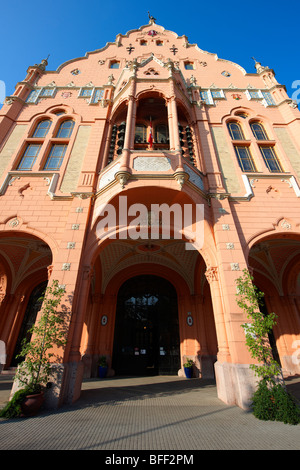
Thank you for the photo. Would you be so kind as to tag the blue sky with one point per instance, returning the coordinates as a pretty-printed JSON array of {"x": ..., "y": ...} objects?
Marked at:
[{"x": 66, "y": 30}]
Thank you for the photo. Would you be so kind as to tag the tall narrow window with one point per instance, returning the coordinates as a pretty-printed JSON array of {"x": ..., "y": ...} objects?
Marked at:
[
  {"x": 65, "y": 130},
  {"x": 42, "y": 128},
  {"x": 55, "y": 157},
  {"x": 258, "y": 131},
  {"x": 235, "y": 131},
  {"x": 29, "y": 157},
  {"x": 244, "y": 158},
  {"x": 270, "y": 159}
]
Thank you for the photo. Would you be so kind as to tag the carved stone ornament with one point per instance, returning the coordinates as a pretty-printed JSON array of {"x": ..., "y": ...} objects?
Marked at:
[
  {"x": 211, "y": 274},
  {"x": 122, "y": 177},
  {"x": 181, "y": 177},
  {"x": 285, "y": 224},
  {"x": 14, "y": 222}
]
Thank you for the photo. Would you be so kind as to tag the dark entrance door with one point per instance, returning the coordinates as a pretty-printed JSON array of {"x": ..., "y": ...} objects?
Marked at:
[
  {"x": 146, "y": 338},
  {"x": 33, "y": 307}
]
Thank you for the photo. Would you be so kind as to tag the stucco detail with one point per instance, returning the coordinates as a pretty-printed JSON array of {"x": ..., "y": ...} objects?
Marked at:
[
  {"x": 289, "y": 148},
  {"x": 11, "y": 146},
  {"x": 225, "y": 159},
  {"x": 70, "y": 180}
]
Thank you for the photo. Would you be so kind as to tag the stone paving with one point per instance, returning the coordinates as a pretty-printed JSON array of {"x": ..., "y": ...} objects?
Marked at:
[{"x": 138, "y": 414}]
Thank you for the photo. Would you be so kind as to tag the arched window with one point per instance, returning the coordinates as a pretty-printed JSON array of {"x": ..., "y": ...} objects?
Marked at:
[
  {"x": 258, "y": 131},
  {"x": 235, "y": 131},
  {"x": 42, "y": 128},
  {"x": 65, "y": 129}
]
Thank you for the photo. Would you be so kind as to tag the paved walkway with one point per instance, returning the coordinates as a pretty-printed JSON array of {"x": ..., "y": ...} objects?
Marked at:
[{"x": 135, "y": 414}]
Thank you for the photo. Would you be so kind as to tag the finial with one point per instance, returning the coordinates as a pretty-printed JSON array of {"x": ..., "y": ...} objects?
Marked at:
[
  {"x": 44, "y": 63},
  {"x": 258, "y": 66},
  {"x": 151, "y": 19}
]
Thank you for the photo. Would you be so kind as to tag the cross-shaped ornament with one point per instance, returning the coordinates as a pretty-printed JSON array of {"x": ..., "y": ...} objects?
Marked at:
[
  {"x": 130, "y": 48},
  {"x": 173, "y": 49}
]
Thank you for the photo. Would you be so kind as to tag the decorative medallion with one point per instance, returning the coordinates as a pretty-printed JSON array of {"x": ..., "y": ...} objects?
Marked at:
[
  {"x": 66, "y": 94},
  {"x": 236, "y": 96},
  {"x": 152, "y": 33}
]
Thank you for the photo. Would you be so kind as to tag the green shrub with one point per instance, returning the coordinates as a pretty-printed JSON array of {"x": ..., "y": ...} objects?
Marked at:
[
  {"x": 274, "y": 403},
  {"x": 13, "y": 408}
]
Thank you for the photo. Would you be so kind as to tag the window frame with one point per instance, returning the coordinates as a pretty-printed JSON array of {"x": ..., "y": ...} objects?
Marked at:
[
  {"x": 231, "y": 132},
  {"x": 38, "y": 127},
  {"x": 61, "y": 129},
  {"x": 262, "y": 130},
  {"x": 52, "y": 157},
  {"x": 25, "y": 156},
  {"x": 274, "y": 159},
  {"x": 253, "y": 168}
]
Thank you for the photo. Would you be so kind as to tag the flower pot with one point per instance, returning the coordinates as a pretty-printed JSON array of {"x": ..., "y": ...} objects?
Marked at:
[
  {"x": 32, "y": 404},
  {"x": 102, "y": 372},
  {"x": 188, "y": 372}
]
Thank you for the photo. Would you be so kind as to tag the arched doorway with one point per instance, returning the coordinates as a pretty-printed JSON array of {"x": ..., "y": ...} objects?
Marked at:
[
  {"x": 146, "y": 340},
  {"x": 32, "y": 309}
]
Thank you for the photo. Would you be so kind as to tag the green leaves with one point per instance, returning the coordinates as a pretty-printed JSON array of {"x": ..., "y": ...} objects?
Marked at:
[
  {"x": 249, "y": 299},
  {"x": 271, "y": 401},
  {"x": 48, "y": 332}
]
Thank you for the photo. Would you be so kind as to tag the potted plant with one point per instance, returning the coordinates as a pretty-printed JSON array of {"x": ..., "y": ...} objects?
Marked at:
[
  {"x": 102, "y": 367},
  {"x": 33, "y": 372},
  {"x": 188, "y": 368}
]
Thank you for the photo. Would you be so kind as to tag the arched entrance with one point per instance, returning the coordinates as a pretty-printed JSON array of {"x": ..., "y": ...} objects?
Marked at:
[
  {"x": 32, "y": 309},
  {"x": 146, "y": 340}
]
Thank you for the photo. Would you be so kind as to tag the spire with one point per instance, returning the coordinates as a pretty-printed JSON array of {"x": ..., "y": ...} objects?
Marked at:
[
  {"x": 258, "y": 66},
  {"x": 44, "y": 63}
]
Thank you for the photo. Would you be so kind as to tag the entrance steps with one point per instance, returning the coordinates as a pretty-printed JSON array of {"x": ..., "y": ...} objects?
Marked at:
[{"x": 10, "y": 372}]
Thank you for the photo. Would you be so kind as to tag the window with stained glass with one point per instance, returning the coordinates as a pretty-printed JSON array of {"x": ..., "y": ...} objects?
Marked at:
[
  {"x": 42, "y": 128},
  {"x": 270, "y": 159},
  {"x": 244, "y": 158},
  {"x": 258, "y": 131},
  {"x": 65, "y": 129},
  {"x": 55, "y": 157},
  {"x": 235, "y": 131},
  {"x": 29, "y": 157}
]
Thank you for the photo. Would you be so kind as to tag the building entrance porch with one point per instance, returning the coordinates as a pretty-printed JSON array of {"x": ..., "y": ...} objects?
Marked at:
[{"x": 146, "y": 340}]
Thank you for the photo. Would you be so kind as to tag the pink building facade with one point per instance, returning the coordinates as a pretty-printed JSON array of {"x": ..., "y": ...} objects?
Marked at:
[{"x": 87, "y": 154}]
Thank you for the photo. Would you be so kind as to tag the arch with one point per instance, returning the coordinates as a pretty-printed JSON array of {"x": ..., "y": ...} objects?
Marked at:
[
  {"x": 42, "y": 128},
  {"x": 161, "y": 194},
  {"x": 235, "y": 130},
  {"x": 147, "y": 269}
]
